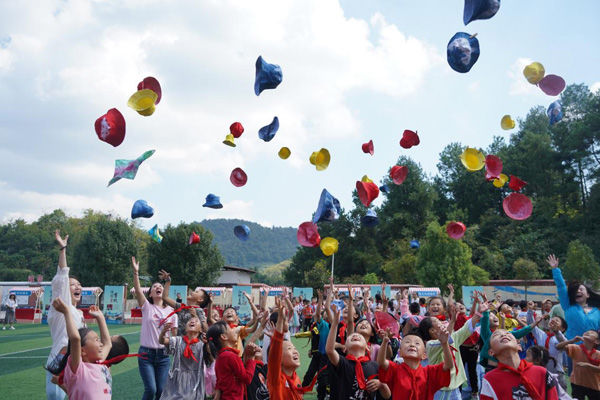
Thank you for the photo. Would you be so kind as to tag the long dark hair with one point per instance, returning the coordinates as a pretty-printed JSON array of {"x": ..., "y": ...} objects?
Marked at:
[
  {"x": 573, "y": 287},
  {"x": 57, "y": 368},
  {"x": 213, "y": 336},
  {"x": 541, "y": 355}
]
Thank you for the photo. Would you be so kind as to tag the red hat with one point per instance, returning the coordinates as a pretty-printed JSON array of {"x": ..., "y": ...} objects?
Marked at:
[
  {"x": 384, "y": 320},
  {"x": 194, "y": 238},
  {"x": 152, "y": 84},
  {"x": 456, "y": 230},
  {"x": 110, "y": 127},
  {"x": 493, "y": 167},
  {"x": 516, "y": 184},
  {"x": 517, "y": 206},
  {"x": 398, "y": 174},
  {"x": 236, "y": 129},
  {"x": 308, "y": 235},
  {"x": 409, "y": 139},
  {"x": 367, "y": 192},
  {"x": 368, "y": 147},
  {"x": 238, "y": 177}
]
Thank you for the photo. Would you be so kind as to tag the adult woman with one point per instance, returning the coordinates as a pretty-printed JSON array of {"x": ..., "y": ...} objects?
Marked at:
[
  {"x": 154, "y": 367},
  {"x": 11, "y": 307},
  {"x": 577, "y": 301},
  {"x": 69, "y": 291}
]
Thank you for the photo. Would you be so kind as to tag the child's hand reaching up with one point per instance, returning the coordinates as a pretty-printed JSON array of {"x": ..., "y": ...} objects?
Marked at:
[
  {"x": 95, "y": 312},
  {"x": 443, "y": 334},
  {"x": 59, "y": 306},
  {"x": 167, "y": 326}
]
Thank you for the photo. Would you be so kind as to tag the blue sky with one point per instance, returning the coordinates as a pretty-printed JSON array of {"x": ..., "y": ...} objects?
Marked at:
[{"x": 352, "y": 71}]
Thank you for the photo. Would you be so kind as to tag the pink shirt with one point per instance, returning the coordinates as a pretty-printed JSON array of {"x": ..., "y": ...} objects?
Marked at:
[
  {"x": 89, "y": 382},
  {"x": 151, "y": 317}
]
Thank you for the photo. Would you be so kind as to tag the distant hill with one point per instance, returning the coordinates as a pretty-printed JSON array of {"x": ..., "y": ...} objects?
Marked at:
[{"x": 266, "y": 246}]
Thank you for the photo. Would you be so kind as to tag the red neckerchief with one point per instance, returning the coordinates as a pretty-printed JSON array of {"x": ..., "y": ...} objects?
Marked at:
[
  {"x": 441, "y": 317},
  {"x": 188, "y": 353},
  {"x": 342, "y": 332},
  {"x": 415, "y": 391},
  {"x": 360, "y": 374},
  {"x": 236, "y": 351},
  {"x": 589, "y": 355},
  {"x": 232, "y": 325},
  {"x": 548, "y": 337},
  {"x": 302, "y": 389},
  {"x": 507, "y": 315},
  {"x": 116, "y": 359},
  {"x": 183, "y": 307},
  {"x": 452, "y": 351},
  {"x": 520, "y": 372}
]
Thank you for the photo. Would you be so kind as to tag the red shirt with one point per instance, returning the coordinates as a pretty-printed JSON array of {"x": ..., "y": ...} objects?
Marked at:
[
  {"x": 277, "y": 382},
  {"x": 232, "y": 374},
  {"x": 472, "y": 340},
  {"x": 414, "y": 384},
  {"x": 501, "y": 384},
  {"x": 307, "y": 312}
]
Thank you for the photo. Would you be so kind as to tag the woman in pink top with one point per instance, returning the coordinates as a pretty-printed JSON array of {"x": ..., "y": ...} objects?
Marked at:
[{"x": 154, "y": 367}]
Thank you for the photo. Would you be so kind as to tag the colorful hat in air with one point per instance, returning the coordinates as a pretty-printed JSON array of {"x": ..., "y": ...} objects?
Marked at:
[
  {"x": 268, "y": 132},
  {"x": 385, "y": 321},
  {"x": 502, "y": 179},
  {"x": 268, "y": 76},
  {"x": 329, "y": 246},
  {"x": 414, "y": 244},
  {"x": 480, "y": 9},
  {"x": 320, "y": 159},
  {"x": 398, "y": 173},
  {"x": 456, "y": 230},
  {"x": 143, "y": 101},
  {"x": 367, "y": 192},
  {"x": 554, "y": 112},
  {"x": 238, "y": 177},
  {"x": 552, "y": 85},
  {"x": 370, "y": 219},
  {"x": 284, "y": 153},
  {"x": 472, "y": 159},
  {"x": 155, "y": 234},
  {"x": 141, "y": 209},
  {"x": 152, "y": 84},
  {"x": 212, "y": 201},
  {"x": 462, "y": 52},
  {"x": 409, "y": 139},
  {"x": 194, "y": 238},
  {"x": 365, "y": 178},
  {"x": 308, "y": 234},
  {"x": 517, "y": 206},
  {"x": 516, "y": 183},
  {"x": 493, "y": 167},
  {"x": 110, "y": 127},
  {"x": 128, "y": 169},
  {"x": 328, "y": 209},
  {"x": 507, "y": 123},
  {"x": 242, "y": 232},
  {"x": 236, "y": 129},
  {"x": 368, "y": 147},
  {"x": 229, "y": 140},
  {"x": 534, "y": 72},
  {"x": 384, "y": 188}
]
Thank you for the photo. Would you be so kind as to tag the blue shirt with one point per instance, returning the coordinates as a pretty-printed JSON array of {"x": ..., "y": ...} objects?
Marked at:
[
  {"x": 578, "y": 320},
  {"x": 323, "y": 328}
]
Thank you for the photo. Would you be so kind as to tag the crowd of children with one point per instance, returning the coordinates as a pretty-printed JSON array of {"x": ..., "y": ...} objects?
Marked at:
[{"x": 361, "y": 347}]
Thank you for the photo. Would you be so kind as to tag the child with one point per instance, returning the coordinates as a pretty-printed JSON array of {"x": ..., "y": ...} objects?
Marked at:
[
  {"x": 557, "y": 326},
  {"x": 307, "y": 313},
  {"x": 186, "y": 377},
  {"x": 410, "y": 380},
  {"x": 85, "y": 378},
  {"x": 585, "y": 378},
  {"x": 436, "y": 308},
  {"x": 539, "y": 355},
  {"x": 514, "y": 378}
]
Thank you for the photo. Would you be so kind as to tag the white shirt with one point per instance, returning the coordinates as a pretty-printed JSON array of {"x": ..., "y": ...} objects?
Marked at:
[
  {"x": 12, "y": 304},
  {"x": 540, "y": 337}
]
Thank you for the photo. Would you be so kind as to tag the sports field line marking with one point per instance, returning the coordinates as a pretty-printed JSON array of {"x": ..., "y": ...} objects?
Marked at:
[{"x": 21, "y": 357}]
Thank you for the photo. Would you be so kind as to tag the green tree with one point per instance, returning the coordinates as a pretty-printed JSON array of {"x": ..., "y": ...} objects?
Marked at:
[
  {"x": 318, "y": 276},
  {"x": 580, "y": 264},
  {"x": 526, "y": 270}
]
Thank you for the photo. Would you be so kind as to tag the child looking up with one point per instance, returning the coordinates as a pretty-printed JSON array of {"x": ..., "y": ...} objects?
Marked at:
[
  {"x": 539, "y": 355},
  {"x": 585, "y": 378}
]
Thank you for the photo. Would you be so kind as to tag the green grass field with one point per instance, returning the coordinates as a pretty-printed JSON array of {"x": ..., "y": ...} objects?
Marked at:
[{"x": 23, "y": 353}]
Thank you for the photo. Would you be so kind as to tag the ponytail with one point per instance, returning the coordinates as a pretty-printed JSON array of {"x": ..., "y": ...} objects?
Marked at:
[
  {"x": 56, "y": 367},
  {"x": 213, "y": 336}
]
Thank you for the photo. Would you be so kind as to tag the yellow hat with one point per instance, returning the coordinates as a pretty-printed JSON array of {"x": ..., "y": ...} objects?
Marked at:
[
  {"x": 320, "y": 159},
  {"x": 229, "y": 140},
  {"x": 472, "y": 159},
  {"x": 501, "y": 181},
  {"x": 507, "y": 123},
  {"x": 366, "y": 179},
  {"x": 534, "y": 72},
  {"x": 143, "y": 102},
  {"x": 284, "y": 153},
  {"x": 329, "y": 246}
]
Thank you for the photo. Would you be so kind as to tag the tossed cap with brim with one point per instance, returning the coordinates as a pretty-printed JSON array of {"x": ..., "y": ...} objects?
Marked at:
[
  {"x": 398, "y": 173},
  {"x": 141, "y": 209},
  {"x": 194, "y": 238},
  {"x": 236, "y": 129},
  {"x": 268, "y": 76},
  {"x": 368, "y": 147},
  {"x": 284, "y": 153},
  {"x": 367, "y": 192},
  {"x": 534, "y": 72},
  {"x": 472, "y": 159},
  {"x": 414, "y": 244},
  {"x": 479, "y": 9},
  {"x": 552, "y": 85},
  {"x": 554, "y": 112},
  {"x": 507, "y": 123},
  {"x": 155, "y": 234},
  {"x": 370, "y": 219},
  {"x": 456, "y": 230},
  {"x": 143, "y": 101},
  {"x": 517, "y": 206},
  {"x": 212, "y": 201},
  {"x": 110, "y": 127},
  {"x": 500, "y": 181},
  {"x": 238, "y": 177},
  {"x": 384, "y": 188},
  {"x": 128, "y": 169},
  {"x": 493, "y": 167},
  {"x": 151, "y": 83},
  {"x": 268, "y": 132},
  {"x": 308, "y": 234},
  {"x": 462, "y": 52},
  {"x": 516, "y": 183},
  {"x": 242, "y": 232},
  {"x": 229, "y": 140},
  {"x": 409, "y": 139},
  {"x": 328, "y": 209},
  {"x": 320, "y": 159},
  {"x": 329, "y": 246}
]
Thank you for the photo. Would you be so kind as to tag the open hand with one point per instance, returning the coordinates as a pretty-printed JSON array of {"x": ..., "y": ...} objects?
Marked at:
[
  {"x": 164, "y": 275},
  {"x": 59, "y": 305},
  {"x": 443, "y": 334},
  {"x": 552, "y": 260},
  {"x": 95, "y": 312},
  {"x": 135, "y": 265},
  {"x": 61, "y": 241}
]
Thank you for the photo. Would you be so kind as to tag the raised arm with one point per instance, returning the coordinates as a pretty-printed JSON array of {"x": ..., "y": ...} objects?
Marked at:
[
  {"x": 72, "y": 333},
  {"x": 253, "y": 308},
  {"x": 328, "y": 300},
  {"x": 381, "y": 356},
  {"x": 163, "y": 338},
  {"x": 443, "y": 338},
  {"x": 559, "y": 281},
  {"x": 332, "y": 354},
  {"x": 139, "y": 295},
  {"x": 450, "y": 301},
  {"x": 350, "y": 315},
  {"x": 384, "y": 299},
  {"x": 60, "y": 282},
  {"x": 262, "y": 322},
  {"x": 165, "y": 276},
  {"x": 562, "y": 345},
  {"x": 62, "y": 255},
  {"x": 317, "y": 315},
  {"x": 104, "y": 334}
]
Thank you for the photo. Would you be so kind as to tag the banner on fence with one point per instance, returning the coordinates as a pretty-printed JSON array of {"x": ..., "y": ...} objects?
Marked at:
[
  {"x": 240, "y": 303},
  {"x": 113, "y": 304},
  {"x": 376, "y": 289},
  {"x": 305, "y": 292},
  {"x": 180, "y": 290}
]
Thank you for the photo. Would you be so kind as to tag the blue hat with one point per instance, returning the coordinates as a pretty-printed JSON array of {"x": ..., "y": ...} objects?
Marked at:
[
  {"x": 268, "y": 76},
  {"x": 370, "y": 219},
  {"x": 141, "y": 209},
  {"x": 462, "y": 52},
  {"x": 480, "y": 9},
  {"x": 384, "y": 188},
  {"x": 328, "y": 209},
  {"x": 555, "y": 112},
  {"x": 268, "y": 132},
  {"x": 212, "y": 201},
  {"x": 241, "y": 232},
  {"x": 414, "y": 244}
]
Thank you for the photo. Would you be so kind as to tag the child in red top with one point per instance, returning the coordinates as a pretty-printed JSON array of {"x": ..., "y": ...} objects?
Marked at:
[
  {"x": 232, "y": 374},
  {"x": 410, "y": 380},
  {"x": 514, "y": 378}
]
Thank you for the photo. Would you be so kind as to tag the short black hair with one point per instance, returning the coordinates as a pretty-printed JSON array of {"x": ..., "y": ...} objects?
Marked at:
[
  {"x": 414, "y": 308},
  {"x": 119, "y": 347},
  {"x": 422, "y": 301},
  {"x": 563, "y": 322},
  {"x": 522, "y": 304}
]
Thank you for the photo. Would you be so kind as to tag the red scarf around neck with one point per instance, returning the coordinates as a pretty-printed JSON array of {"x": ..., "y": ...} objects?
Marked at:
[
  {"x": 548, "y": 337},
  {"x": 360, "y": 374},
  {"x": 589, "y": 355},
  {"x": 342, "y": 332},
  {"x": 441, "y": 317},
  {"x": 236, "y": 351},
  {"x": 302, "y": 389},
  {"x": 188, "y": 353},
  {"x": 520, "y": 372}
]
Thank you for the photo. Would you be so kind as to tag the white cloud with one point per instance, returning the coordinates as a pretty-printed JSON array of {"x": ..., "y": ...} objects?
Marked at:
[{"x": 519, "y": 85}]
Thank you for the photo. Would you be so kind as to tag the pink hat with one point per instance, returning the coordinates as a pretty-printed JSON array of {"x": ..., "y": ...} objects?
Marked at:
[
  {"x": 238, "y": 177},
  {"x": 367, "y": 192},
  {"x": 110, "y": 127},
  {"x": 493, "y": 167},
  {"x": 398, "y": 174},
  {"x": 308, "y": 235},
  {"x": 368, "y": 147},
  {"x": 456, "y": 230},
  {"x": 552, "y": 85},
  {"x": 517, "y": 206}
]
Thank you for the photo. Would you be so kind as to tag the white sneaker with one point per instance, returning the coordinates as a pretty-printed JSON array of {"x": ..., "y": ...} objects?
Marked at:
[{"x": 12, "y": 327}]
